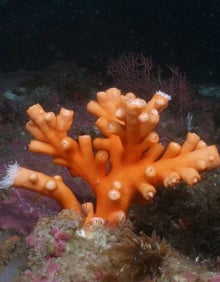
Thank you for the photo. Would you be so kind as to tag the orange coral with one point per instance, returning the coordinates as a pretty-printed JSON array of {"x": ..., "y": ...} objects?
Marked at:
[{"x": 123, "y": 167}]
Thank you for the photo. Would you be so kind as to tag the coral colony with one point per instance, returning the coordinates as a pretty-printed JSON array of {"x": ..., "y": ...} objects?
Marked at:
[{"x": 124, "y": 166}]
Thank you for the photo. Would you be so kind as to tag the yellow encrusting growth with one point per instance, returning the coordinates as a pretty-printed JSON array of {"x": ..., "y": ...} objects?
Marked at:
[{"x": 123, "y": 167}]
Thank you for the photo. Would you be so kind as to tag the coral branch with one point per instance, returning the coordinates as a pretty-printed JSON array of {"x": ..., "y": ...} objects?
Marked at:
[
  {"x": 52, "y": 187},
  {"x": 51, "y": 131}
]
